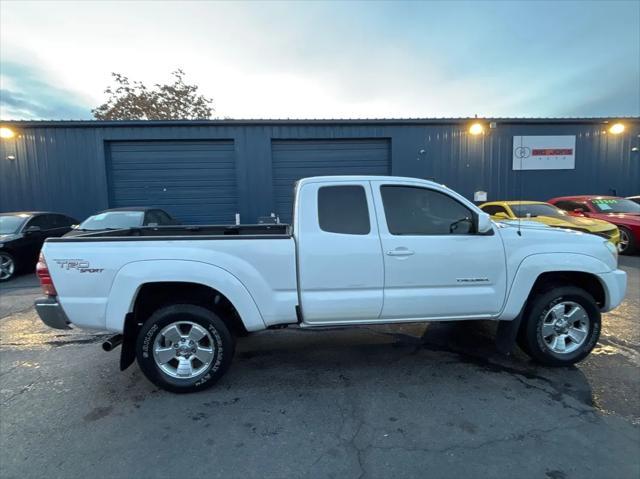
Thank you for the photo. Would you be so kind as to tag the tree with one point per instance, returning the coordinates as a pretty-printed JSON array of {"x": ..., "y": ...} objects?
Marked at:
[{"x": 132, "y": 100}]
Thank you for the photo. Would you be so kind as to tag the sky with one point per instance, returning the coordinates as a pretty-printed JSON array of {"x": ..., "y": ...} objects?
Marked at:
[{"x": 331, "y": 59}]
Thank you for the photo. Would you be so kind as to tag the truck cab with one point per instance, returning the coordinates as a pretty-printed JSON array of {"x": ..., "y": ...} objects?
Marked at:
[{"x": 394, "y": 249}]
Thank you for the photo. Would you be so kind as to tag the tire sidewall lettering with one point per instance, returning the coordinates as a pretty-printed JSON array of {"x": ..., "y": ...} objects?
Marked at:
[{"x": 148, "y": 340}]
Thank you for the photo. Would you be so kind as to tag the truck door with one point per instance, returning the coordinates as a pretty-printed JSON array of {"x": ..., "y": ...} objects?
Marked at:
[
  {"x": 436, "y": 266},
  {"x": 340, "y": 265}
]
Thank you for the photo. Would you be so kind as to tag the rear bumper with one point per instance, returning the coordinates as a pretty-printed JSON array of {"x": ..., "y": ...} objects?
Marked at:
[
  {"x": 51, "y": 313},
  {"x": 615, "y": 285}
]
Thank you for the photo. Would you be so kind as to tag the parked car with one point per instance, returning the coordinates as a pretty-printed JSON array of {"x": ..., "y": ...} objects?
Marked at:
[
  {"x": 547, "y": 214},
  {"x": 362, "y": 250},
  {"x": 635, "y": 199},
  {"x": 118, "y": 218},
  {"x": 21, "y": 236},
  {"x": 623, "y": 213}
]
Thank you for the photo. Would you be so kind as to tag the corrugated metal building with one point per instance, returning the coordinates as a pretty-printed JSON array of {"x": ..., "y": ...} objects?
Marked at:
[{"x": 206, "y": 171}]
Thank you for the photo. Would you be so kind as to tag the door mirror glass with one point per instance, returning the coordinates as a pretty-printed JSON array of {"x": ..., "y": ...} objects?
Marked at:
[{"x": 484, "y": 223}]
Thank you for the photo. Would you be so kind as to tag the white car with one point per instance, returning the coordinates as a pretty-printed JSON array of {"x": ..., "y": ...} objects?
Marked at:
[
  {"x": 635, "y": 199},
  {"x": 361, "y": 250}
]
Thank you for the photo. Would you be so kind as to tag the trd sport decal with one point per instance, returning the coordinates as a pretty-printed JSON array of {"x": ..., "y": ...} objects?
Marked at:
[{"x": 79, "y": 265}]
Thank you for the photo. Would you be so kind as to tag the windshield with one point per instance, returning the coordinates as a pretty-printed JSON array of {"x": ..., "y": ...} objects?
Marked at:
[
  {"x": 113, "y": 220},
  {"x": 10, "y": 224},
  {"x": 524, "y": 211},
  {"x": 615, "y": 205}
]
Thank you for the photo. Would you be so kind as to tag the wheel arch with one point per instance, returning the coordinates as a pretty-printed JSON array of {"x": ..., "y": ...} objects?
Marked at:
[
  {"x": 177, "y": 280},
  {"x": 540, "y": 270}
]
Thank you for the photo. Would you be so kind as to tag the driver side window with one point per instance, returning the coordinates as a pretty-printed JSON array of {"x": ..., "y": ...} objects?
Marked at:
[
  {"x": 420, "y": 211},
  {"x": 44, "y": 222}
]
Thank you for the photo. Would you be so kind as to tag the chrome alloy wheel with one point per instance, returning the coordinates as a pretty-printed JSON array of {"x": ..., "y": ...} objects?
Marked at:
[
  {"x": 623, "y": 244},
  {"x": 7, "y": 266},
  {"x": 565, "y": 327},
  {"x": 183, "y": 350}
]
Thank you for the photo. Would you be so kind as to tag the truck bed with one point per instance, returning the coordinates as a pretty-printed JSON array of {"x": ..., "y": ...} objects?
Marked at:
[
  {"x": 108, "y": 268},
  {"x": 268, "y": 231}
]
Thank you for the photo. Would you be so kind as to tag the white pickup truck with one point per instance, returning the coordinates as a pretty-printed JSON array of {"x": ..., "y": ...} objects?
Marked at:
[{"x": 361, "y": 250}]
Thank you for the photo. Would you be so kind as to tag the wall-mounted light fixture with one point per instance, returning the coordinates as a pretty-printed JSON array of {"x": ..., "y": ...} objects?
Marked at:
[
  {"x": 476, "y": 128},
  {"x": 616, "y": 128},
  {"x": 6, "y": 132}
]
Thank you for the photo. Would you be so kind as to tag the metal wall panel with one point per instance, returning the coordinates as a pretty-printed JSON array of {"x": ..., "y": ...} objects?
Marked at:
[
  {"x": 195, "y": 181},
  {"x": 296, "y": 159},
  {"x": 62, "y": 166}
]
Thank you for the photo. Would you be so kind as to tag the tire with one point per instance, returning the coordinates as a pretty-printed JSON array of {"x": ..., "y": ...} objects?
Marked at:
[
  {"x": 171, "y": 362},
  {"x": 627, "y": 243},
  {"x": 8, "y": 266},
  {"x": 543, "y": 336}
]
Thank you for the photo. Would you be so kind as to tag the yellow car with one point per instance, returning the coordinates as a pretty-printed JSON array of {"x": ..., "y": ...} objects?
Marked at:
[{"x": 549, "y": 215}]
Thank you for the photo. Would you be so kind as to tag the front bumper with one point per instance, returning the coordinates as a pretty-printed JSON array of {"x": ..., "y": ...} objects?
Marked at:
[
  {"x": 612, "y": 235},
  {"x": 615, "y": 285},
  {"x": 51, "y": 313}
]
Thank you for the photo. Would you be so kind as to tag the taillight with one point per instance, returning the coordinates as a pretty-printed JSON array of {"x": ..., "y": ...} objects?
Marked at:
[{"x": 45, "y": 278}]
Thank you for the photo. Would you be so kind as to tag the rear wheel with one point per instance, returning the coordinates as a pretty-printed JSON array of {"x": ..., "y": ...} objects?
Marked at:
[
  {"x": 561, "y": 326},
  {"x": 627, "y": 244},
  {"x": 7, "y": 266},
  {"x": 184, "y": 348}
]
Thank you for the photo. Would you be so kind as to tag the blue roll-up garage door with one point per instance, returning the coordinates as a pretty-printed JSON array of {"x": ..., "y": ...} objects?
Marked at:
[
  {"x": 296, "y": 159},
  {"x": 195, "y": 181}
]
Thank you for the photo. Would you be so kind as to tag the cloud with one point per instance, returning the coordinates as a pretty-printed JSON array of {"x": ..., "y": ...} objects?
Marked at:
[
  {"x": 329, "y": 59},
  {"x": 25, "y": 94}
]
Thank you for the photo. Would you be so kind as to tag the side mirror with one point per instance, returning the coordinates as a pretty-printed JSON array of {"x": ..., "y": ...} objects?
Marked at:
[
  {"x": 32, "y": 229},
  {"x": 484, "y": 223},
  {"x": 75, "y": 227},
  {"x": 500, "y": 215},
  {"x": 579, "y": 211}
]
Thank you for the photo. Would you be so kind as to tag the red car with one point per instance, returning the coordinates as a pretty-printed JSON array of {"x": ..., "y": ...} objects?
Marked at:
[{"x": 623, "y": 213}]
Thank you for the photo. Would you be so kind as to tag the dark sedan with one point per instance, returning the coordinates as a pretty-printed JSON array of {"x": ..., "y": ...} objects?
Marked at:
[
  {"x": 119, "y": 218},
  {"x": 21, "y": 237}
]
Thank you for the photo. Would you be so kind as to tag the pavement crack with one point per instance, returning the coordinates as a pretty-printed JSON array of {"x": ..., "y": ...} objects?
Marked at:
[{"x": 24, "y": 389}]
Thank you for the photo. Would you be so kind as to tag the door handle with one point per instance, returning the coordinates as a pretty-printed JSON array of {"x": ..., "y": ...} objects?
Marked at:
[{"x": 400, "y": 252}]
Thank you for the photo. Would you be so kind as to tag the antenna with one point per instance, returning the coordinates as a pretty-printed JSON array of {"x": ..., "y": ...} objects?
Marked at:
[{"x": 520, "y": 186}]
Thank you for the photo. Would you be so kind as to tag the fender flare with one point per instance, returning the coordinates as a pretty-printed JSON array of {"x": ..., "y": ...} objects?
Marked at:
[
  {"x": 131, "y": 277},
  {"x": 531, "y": 267}
]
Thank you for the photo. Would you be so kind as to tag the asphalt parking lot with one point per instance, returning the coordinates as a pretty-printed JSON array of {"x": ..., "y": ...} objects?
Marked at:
[{"x": 413, "y": 401}]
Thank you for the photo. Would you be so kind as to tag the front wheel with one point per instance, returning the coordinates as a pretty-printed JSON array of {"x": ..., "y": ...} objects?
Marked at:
[
  {"x": 561, "y": 326},
  {"x": 184, "y": 348},
  {"x": 627, "y": 242},
  {"x": 7, "y": 266}
]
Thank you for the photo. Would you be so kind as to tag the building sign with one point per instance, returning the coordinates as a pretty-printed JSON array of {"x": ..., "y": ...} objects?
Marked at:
[{"x": 544, "y": 152}]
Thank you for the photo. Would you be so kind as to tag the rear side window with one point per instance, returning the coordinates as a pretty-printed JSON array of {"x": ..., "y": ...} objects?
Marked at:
[
  {"x": 570, "y": 206},
  {"x": 493, "y": 209},
  {"x": 164, "y": 218},
  {"x": 343, "y": 209},
  {"x": 45, "y": 222},
  {"x": 152, "y": 218},
  {"x": 420, "y": 211},
  {"x": 63, "y": 221}
]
